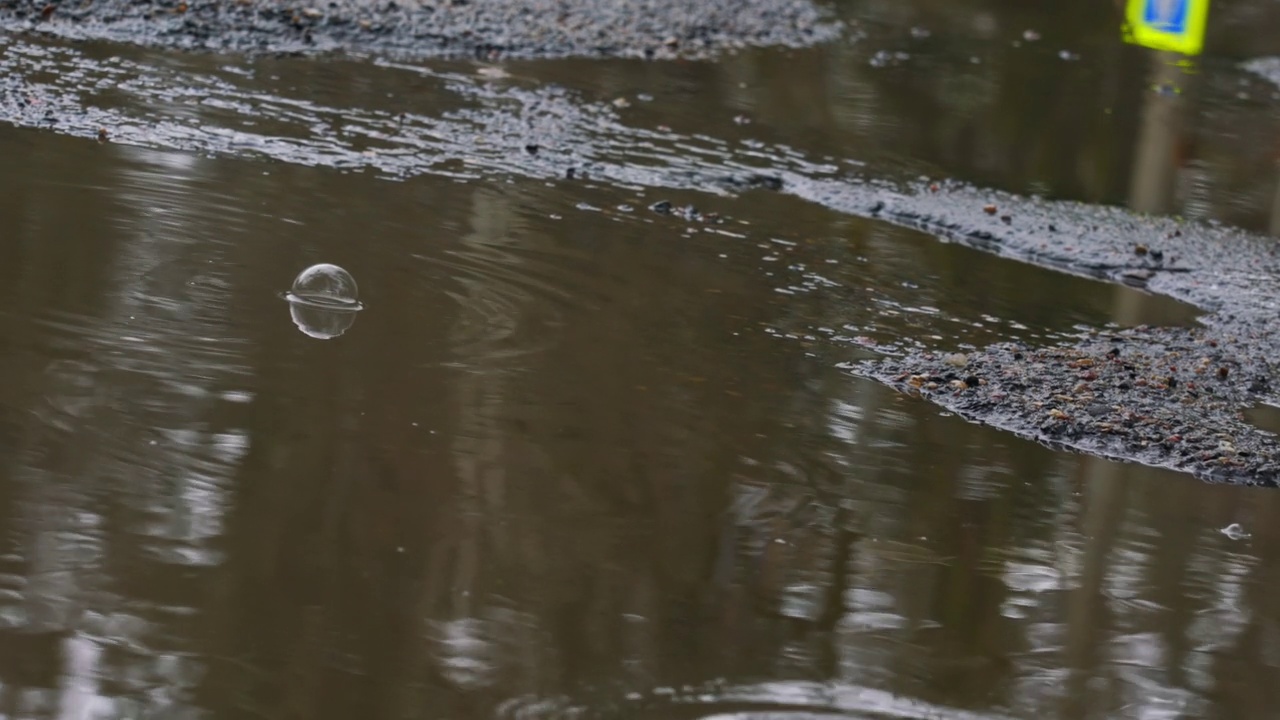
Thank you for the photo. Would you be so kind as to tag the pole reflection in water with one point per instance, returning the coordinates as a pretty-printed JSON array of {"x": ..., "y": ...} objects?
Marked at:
[{"x": 1163, "y": 134}]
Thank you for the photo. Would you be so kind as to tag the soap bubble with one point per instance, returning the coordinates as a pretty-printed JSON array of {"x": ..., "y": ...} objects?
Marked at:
[
  {"x": 323, "y": 301},
  {"x": 326, "y": 284}
]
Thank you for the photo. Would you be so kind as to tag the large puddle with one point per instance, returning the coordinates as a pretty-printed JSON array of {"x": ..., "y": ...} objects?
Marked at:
[{"x": 588, "y": 450}]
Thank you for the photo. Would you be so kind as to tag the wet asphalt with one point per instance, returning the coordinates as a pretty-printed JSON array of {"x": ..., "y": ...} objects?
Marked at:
[
  {"x": 1168, "y": 397},
  {"x": 488, "y": 29}
]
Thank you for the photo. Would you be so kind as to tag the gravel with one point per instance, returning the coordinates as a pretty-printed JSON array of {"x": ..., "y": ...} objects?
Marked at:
[
  {"x": 1162, "y": 396},
  {"x": 487, "y": 29}
]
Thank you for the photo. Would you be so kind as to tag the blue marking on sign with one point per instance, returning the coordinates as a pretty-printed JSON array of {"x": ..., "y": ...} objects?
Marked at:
[{"x": 1167, "y": 15}]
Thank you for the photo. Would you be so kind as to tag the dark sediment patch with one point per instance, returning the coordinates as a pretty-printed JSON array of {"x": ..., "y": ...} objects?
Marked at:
[
  {"x": 1160, "y": 396},
  {"x": 486, "y": 29}
]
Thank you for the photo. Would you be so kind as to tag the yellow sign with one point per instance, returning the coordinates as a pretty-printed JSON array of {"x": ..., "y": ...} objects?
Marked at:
[{"x": 1173, "y": 25}]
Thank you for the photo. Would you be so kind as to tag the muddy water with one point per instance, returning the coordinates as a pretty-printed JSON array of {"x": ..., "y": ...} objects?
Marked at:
[{"x": 578, "y": 458}]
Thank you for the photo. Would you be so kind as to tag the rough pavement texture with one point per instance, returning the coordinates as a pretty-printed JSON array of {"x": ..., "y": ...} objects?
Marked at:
[
  {"x": 424, "y": 28},
  {"x": 1161, "y": 396},
  {"x": 1169, "y": 397}
]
